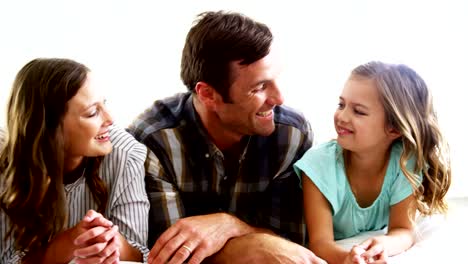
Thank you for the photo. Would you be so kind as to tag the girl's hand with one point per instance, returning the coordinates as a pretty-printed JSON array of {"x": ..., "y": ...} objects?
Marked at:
[
  {"x": 355, "y": 256},
  {"x": 374, "y": 251}
]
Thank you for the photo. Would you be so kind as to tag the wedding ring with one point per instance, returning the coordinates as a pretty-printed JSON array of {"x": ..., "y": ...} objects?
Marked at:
[{"x": 187, "y": 248}]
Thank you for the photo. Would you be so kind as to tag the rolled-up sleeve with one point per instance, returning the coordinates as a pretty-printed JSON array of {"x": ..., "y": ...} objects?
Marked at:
[{"x": 131, "y": 206}]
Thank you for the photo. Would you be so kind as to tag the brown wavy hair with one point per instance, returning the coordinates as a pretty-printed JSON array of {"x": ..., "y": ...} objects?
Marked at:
[
  {"x": 32, "y": 159},
  {"x": 409, "y": 109}
]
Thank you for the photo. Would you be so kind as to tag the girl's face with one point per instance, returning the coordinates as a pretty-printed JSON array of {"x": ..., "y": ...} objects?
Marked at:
[
  {"x": 86, "y": 125},
  {"x": 360, "y": 118}
]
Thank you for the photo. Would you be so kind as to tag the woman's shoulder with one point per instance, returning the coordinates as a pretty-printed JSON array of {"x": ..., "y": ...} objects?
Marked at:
[
  {"x": 2, "y": 137},
  {"x": 124, "y": 144},
  {"x": 122, "y": 140}
]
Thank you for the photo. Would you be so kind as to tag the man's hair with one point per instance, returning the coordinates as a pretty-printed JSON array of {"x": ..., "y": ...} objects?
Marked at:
[{"x": 215, "y": 41}]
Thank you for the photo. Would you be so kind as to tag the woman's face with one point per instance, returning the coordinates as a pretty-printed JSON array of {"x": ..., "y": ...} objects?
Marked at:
[{"x": 86, "y": 125}]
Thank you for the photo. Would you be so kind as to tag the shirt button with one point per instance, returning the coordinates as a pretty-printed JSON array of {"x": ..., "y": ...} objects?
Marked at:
[
  {"x": 225, "y": 178},
  {"x": 207, "y": 155}
]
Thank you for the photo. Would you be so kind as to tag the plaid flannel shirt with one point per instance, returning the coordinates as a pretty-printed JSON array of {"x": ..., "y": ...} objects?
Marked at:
[{"x": 187, "y": 174}]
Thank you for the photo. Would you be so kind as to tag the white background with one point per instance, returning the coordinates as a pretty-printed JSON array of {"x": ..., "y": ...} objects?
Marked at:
[{"x": 134, "y": 48}]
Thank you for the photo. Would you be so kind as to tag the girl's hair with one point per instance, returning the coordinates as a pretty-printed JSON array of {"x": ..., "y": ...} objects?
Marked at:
[
  {"x": 32, "y": 159},
  {"x": 409, "y": 109}
]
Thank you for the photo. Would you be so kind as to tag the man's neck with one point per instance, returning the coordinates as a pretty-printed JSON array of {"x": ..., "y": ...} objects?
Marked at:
[{"x": 223, "y": 139}]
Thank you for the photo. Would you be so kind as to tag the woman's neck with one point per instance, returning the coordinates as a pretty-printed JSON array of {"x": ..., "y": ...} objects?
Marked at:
[{"x": 74, "y": 169}]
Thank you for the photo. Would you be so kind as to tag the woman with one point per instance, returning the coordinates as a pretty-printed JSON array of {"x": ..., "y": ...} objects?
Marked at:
[{"x": 72, "y": 185}]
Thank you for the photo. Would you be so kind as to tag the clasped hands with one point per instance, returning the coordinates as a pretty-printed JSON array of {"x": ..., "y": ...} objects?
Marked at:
[
  {"x": 369, "y": 251},
  {"x": 96, "y": 240}
]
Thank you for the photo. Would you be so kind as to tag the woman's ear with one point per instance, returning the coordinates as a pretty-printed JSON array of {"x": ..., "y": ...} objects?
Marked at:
[{"x": 207, "y": 95}]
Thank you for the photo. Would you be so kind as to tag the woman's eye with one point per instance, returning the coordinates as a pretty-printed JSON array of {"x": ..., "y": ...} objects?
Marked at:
[{"x": 93, "y": 114}]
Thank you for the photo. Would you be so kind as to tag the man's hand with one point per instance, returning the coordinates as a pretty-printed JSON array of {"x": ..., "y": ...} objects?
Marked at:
[
  {"x": 264, "y": 248},
  {"x": 195, "y": 238}
]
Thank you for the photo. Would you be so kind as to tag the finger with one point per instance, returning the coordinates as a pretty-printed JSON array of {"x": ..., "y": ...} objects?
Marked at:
[
  {"x": 91, "y": 215},
  {"x": 93, "y": 218},
  {"x": 100, "y": 221},
  {"x": 357, "y": 250},
  {"x": 317, "y": 260},
  {"x": 107, "y": 236},
  {"x": 90, "y": 260},
  {"x": 382, "y": 256},
  {"x": 110, "y": 249},
  {"x": 198, "y": 256},
  {"x": 379, "y": 262},
  {"x": 182, "y": 254},
  {"x": 114, "y": 258},
  {"x": 366, "y": 244},
  {"x": 161, "y": 242},
  {"x": 174, "y": 249},
  {"x": 373, "y": 251},
  {"x": 91, "y": 234},
  {"x": 86, "y": 252}
]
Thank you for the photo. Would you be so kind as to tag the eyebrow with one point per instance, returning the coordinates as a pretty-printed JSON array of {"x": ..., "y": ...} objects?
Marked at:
[
  {"x": 259, "y": 82},
  {"x": 89, "y": 106},
  {"x": 356, "y": 104}
]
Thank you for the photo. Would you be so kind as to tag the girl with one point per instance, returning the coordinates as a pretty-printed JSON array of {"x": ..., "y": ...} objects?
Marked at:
[
  {"x": 388, "y": 161},
  {"x": 71, "y": 185}
]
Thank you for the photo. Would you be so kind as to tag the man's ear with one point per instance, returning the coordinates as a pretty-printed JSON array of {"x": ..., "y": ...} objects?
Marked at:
[{"x": 207, "y": 95}]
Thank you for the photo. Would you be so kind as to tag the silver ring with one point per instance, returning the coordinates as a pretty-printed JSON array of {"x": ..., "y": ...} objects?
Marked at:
[{"x": 187, "y": 248}]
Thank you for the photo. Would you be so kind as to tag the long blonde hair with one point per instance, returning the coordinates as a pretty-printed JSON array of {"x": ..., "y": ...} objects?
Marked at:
[
  {"x": 32, "y": 159},
  {"x": 409, "y": 109}
]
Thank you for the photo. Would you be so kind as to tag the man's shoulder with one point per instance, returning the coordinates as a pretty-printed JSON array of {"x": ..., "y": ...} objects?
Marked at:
[
  {"x": 289, "y": 116},
  {"x": 163, "y": 114}
]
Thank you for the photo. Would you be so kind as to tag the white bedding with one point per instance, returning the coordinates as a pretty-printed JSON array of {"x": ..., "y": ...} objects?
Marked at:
[{"x": 439, "y": 239}]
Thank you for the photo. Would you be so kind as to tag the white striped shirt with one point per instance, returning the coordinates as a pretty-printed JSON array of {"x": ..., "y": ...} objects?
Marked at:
[{"x": 123, "y": 172}]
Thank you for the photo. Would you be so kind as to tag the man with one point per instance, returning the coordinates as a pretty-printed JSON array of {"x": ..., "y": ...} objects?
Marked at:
[{"x": 223, "y": 184}]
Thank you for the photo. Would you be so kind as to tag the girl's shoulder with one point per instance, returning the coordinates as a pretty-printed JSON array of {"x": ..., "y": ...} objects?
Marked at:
[{"x": 326, "y": 151}]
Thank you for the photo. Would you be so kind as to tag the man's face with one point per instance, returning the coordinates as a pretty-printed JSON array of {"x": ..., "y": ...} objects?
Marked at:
[{"x": 253, "y": 95}]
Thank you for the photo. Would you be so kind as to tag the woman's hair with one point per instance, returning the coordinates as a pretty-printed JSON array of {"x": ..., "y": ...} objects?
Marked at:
[
  {"x": 32, "y": 159},
  {"x": 409, "y": 109}
]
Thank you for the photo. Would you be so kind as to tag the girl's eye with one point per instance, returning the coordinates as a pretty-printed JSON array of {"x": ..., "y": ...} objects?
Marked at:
[
  {"x": 340, "y": 105},
  {"x": 359, "y": 112}
]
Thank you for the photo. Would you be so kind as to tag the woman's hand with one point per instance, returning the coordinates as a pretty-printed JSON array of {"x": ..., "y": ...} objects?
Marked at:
[{"x": 96, "y": 241}]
